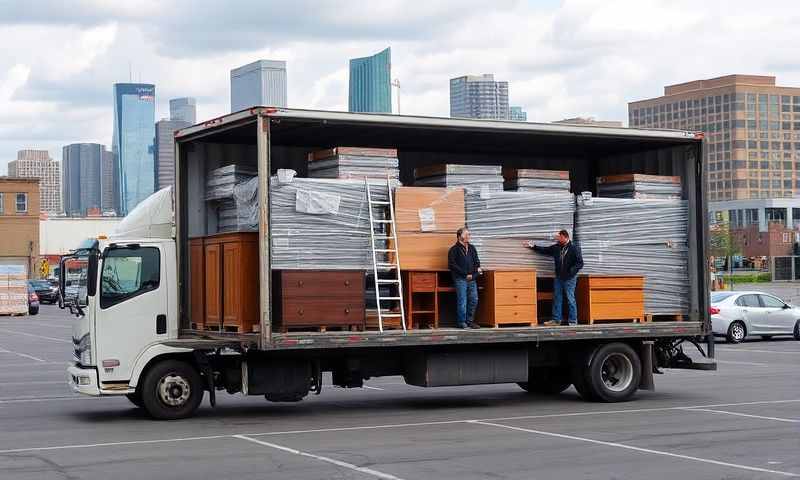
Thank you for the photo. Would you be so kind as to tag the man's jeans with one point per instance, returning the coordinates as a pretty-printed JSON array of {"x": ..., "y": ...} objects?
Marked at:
[
  {"x": 559, "y": 288},
  {"x": 466, "y": 300}
]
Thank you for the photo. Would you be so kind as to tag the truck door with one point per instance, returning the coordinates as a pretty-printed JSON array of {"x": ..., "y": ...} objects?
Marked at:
[{"x": 132, "y": 309}]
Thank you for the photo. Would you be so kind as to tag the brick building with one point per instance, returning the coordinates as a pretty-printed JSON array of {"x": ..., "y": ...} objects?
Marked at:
[
  {"x": 752, "y": 128},
  {"x": 19, "y": 222}
]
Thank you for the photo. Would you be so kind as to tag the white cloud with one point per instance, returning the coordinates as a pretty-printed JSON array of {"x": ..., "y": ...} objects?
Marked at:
[{"x": 577, "y": 57}]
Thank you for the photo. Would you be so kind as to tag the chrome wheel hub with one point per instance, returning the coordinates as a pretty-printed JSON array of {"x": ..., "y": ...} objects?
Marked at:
[
  {"x": 617, "y": 372},
  {"x": 173, "y": 390},
  {"x": 737, "y": 332}
]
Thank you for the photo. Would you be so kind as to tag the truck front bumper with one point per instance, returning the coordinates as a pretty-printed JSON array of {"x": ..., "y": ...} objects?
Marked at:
[{"x": 83, "y": 380}]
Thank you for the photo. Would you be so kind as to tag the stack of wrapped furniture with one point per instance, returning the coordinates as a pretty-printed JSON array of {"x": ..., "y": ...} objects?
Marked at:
[
  {"x": 471, "y": 177},
  {"x": 227, "y": 186},
  {"x": 638, "y": 237},
  {"x": 501, "y": 221},
  {"x": 532, "y": 180},
  {"x": 321, "y": 224},
  {"x": 354, "y": 163},
  {"x": 635, "y": 185},
  {"x": 320, "y": 236}
]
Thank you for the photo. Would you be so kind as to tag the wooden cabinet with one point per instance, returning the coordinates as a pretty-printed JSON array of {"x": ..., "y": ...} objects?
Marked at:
[
  {"x": 610, "y": 297},
  {"x": 509, "y": 298},
  {"x": 320, "y": 299},
  {"x": 231, "y": 286},
  {"x": 197, "y": 275},
  {"x": 421, "y": 299}
]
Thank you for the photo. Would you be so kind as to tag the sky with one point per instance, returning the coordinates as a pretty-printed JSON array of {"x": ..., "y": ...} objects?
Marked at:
[{"x": 561, "y": 58}]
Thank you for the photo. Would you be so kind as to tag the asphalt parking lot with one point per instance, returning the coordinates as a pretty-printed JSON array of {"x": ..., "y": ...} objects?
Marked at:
[{"x": 741, "y": 422}]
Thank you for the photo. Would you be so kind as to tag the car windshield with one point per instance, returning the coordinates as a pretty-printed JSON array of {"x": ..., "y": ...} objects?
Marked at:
[
  {"x": 717, "y": 297},
  {"x": 40, "y": 284}
]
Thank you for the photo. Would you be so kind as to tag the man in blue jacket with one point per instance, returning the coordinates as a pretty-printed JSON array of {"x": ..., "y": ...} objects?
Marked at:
[
  {"x": 464, "y": 265},
  {"x": 568, "y": 261}
]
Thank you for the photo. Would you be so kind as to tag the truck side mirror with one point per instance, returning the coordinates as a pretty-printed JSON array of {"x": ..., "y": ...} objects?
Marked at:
[{"x": 91, "y": 285}]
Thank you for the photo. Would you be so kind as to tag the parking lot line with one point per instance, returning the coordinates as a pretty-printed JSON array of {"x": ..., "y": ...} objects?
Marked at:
[
  {"x": 638, "y": 449},
  {"x": 755, "y": 364},
  {"x": 724, "y": 349},
  {"x": 15, "y": 332},
  {"x": 23, "y": 355},
  {"x": 777, "y": 419},
  {"x": 366, "y": 427},
  {"x": 365, "y": 470}
]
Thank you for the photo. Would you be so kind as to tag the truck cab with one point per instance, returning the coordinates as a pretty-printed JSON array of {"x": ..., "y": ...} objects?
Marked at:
[{"x": 122, "y": 291}]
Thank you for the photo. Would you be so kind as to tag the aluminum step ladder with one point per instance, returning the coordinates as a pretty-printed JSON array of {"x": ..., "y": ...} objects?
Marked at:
[{"x": 386, "y": 231}]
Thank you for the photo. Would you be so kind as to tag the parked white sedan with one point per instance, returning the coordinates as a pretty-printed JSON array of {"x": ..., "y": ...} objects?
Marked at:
[{"x": 737, "y": 315}]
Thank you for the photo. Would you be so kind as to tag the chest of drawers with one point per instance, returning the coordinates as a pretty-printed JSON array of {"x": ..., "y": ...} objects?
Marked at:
[
  {"x": 610, "y": 297},
  {"x": 509, "y": 298},
  {"x": 320, "y": 299}
]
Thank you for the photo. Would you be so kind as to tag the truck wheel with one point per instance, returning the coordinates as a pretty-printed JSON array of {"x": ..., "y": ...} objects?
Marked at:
[
  {"x": 172, "y": 389},
  {"x": 547, "y": 380},
  {"x": 736, "y": 332},
  {"x": 612, "y": 375},
  {"x": 135, "y": 398}
]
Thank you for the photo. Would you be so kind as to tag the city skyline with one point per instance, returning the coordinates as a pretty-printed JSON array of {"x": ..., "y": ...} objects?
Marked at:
[
  {"x": 587, "y": 62},
  {"x": 370, "y": 78},
  {"x": 133, "y": 144}
]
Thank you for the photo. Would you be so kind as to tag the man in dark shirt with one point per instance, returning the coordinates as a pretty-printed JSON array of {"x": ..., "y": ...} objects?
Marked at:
[
  {"x": 568, "y": 261},
  {"x": 462, "y": 259}
]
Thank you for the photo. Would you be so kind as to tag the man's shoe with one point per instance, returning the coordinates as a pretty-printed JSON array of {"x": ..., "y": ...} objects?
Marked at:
[
  {"x": 462, "y": 327},
  {"x": 552, "y": 323},
  {"x": 474, "y": 325}
]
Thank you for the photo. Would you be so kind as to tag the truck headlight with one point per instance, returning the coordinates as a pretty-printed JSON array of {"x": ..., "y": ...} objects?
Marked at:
[
  {"x": 86, "y": 355},
  {"x": 83, "y": 350}
]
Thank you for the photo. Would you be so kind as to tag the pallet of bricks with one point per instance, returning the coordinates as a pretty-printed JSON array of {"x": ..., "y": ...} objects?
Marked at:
[
  {"x": 320, "y": 239},
  {"x": 640, "y": 231},
  {"x": 13, "y": 290}
]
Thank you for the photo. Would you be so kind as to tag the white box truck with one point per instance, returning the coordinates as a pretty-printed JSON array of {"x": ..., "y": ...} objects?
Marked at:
[{"x": 133, "y": 331}]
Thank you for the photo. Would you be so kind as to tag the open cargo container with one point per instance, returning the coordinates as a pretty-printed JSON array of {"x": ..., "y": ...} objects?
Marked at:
[{"x": 607, "y": 362}]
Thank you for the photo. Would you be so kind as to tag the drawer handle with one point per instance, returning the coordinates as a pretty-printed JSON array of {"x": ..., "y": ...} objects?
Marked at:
[
  {"x": 346, "y": 310},
  {"x": 299, "y": 283},
  {"x": 299, "y": 311},
  {"x": 347, "y": 283}
]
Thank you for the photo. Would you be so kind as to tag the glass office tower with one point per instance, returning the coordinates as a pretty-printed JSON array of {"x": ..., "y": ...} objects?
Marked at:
[
  {"x": 133, "y": 143},
  {"x": 370, "y": 83}
]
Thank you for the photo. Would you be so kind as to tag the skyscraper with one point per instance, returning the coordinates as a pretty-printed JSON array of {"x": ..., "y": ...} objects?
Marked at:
[
  {"x": 517, "y": 114},
  {"x": 88, "y": 179},
  {"x": 479, "y": 96},
  {"x": 165, "y": 151},
  {"x": 38, "y": 164},
  {"x": 262, "y": 82},
  {"x": 370, "y": 83},
  {"x": 751, "y": 126},
  {"x": 183, "y": 109},
  {"x": 133, "y": 143}
]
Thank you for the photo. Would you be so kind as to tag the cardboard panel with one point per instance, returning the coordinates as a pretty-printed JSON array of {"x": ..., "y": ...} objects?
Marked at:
[{"x": 429, "y": 209}]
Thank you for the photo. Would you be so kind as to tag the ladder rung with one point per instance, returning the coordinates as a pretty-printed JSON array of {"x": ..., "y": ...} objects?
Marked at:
[
  {"x": 384, "y": 280},
  {"x": 380, "y": 299},
  {"x": 382, "y": 237},
  {"x": 379, "y": 202},
  {"x": 386, "y": 265},
  {"x": 390, "y": 315},
  {"x": 381, "y": 221},
  {"x": 385, "y": 250}
]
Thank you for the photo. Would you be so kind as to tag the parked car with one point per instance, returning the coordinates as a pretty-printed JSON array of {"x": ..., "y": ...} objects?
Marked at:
[
  {"x": 33, "y": 301},
  {"x": 737, "y": 315},
  {"x": 47, "y": 292}
]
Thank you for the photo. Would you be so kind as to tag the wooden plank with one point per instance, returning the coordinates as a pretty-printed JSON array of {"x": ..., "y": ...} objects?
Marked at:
[
  {"x": 424, "y": 251},
  {"x": 616, "y": 281},
  {"x": 445, "y": 204},
  {"x": 638, "y": 177},
  {"x": 510, "y": 173},
  {"x": 617, "y": 296},
  {"x": 360, "y": 151}
]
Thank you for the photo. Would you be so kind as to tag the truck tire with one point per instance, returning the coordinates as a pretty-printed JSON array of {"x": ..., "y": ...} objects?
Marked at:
[
  {"x": 547, "y": 380},
  {"x": 135, "y": 398},
  {"x": 171, "y": 390},
  {"x": 612, "y": 374}
]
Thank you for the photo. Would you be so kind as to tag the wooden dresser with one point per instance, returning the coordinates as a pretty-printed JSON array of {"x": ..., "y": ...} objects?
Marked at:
[
  {"x": 509, "y": 297},
  {"x": 320, "y": 299},
  {"x": 610, "y": 297},
  {"x": 225, "y": 295}
]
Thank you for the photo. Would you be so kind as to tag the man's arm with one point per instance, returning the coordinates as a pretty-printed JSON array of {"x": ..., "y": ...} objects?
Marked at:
[
  {"x": 578, "y": 257},
  {"x": 551, "y": 250},
  {"x": 477, "y": 260},
  {"x": 453, "y": 265}
]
